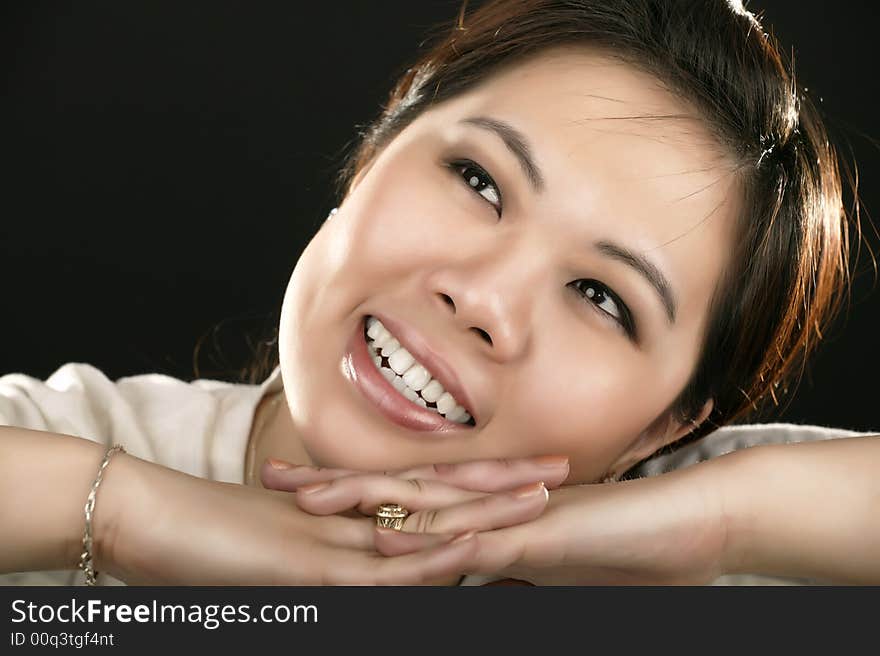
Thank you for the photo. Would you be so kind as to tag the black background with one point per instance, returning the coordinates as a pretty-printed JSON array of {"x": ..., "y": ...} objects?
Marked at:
[{"x": 166, "y": 162}]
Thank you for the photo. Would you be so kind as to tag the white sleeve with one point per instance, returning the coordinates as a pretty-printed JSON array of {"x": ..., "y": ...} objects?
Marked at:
[
  {"x": 74, "y": 400},
  {"x": 732, "y": 438},
  {"x": 198, "y": 427}
]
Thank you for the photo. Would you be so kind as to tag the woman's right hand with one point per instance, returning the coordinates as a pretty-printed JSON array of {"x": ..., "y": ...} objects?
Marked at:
[{"x": 158, "y": 526}]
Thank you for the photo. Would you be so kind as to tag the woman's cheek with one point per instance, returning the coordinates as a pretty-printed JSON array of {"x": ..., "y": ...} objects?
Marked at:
[
  {"x": 588, "y": 409},
  {"x": 399, "y": 236}
]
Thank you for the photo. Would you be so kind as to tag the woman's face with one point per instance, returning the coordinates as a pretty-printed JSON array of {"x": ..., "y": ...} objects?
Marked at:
[{"x": 566, "y": 296}]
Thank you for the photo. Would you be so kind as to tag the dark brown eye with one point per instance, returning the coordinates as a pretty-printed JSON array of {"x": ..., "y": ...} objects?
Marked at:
[
  {"x": 601, "y": 296},
  {"x": 478, "y": 180}
]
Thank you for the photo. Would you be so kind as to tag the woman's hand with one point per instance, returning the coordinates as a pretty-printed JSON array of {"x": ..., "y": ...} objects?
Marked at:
[
  {"x": 442, "y": 499},
  {"x": 161, "y": 527},
  {"x": 661, "y": 530}
]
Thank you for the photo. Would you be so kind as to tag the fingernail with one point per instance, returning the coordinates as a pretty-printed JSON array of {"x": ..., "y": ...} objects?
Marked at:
[
  {"x": 279, "y": 464},
  {"x": 529, "y": 490},
  {"x": 551, "y": 461},
  {"x": 314, "y": 487},
  {"x": 464, "y": 537}
]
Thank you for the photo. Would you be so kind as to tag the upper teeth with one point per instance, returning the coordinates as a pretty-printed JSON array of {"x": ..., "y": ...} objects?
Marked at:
[{"x": 408, "y": 376}]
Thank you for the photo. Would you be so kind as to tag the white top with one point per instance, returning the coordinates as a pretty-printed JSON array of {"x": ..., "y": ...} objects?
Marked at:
[{"x": 202, "y": 428}]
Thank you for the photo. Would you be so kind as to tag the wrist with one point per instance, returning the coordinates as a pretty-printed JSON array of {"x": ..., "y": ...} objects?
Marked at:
[
  {"x": 737, "y": 479},
  {"x": 121, "y": 505},
  {"x": 804, "y": 510},
  {"x": 149, "y": 509},
  {"x": 703, "y": 491}
]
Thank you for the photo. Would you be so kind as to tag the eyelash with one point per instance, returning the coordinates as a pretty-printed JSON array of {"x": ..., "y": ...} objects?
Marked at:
[
  {"x": 625, "y": 322},
  {"x": 459, "y": 166}
]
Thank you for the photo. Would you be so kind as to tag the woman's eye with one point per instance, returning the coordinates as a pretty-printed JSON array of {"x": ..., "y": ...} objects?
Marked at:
[
  {"x": 479, "y": 181},
  {"x": 608, "y": 302}
]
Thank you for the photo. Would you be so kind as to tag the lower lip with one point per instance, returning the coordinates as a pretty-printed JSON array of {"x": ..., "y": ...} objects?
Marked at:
[{"x": 358, "y": 366}]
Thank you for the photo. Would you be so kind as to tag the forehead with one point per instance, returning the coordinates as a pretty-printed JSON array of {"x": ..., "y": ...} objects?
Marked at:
[{"x": 591, "y": 116}]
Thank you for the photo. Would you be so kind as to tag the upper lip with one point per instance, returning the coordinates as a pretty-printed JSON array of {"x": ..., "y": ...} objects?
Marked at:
[{"x": 418, "y": 347}]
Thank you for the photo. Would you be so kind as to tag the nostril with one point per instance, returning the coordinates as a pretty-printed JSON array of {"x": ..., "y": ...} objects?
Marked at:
[
  {"x": 448, "y": 300},
  {"x": 483, "y": 334}
]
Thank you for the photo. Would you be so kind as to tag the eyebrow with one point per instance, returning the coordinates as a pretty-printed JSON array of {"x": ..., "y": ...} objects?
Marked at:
[
  {"x": 516, "y": 143},
  {"x": 519, "y": 147},
  {"x": 646, "y": 269}
]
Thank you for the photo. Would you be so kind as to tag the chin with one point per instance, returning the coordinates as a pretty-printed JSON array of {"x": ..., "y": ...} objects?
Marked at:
[{"x": 332, "y": 441}]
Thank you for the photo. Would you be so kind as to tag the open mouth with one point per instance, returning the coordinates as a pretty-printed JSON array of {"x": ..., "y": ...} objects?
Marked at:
[{"x": 412, "y": 380}]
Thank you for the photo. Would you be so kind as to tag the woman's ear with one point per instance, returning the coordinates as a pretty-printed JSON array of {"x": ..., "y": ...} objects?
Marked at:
[
  {"x": 682, "y": 429},
  {"x": 660, "y": 433}
]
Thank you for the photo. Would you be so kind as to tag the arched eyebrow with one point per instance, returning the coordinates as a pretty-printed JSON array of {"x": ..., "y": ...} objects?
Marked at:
[
  {"x": 647, "y": 269},
  {"x": 516, "y": 143},
  {"x": 519, "y": 146}
]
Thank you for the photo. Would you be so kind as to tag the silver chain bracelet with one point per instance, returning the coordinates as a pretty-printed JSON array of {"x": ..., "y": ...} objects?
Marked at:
[{"x": 85, "y": 559}]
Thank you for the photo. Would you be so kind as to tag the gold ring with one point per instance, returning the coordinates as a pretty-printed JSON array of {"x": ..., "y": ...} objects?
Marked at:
[{"x": 391, "y": 515}]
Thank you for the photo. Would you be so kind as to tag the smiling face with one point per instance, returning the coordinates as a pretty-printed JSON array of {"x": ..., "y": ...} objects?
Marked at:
[{"x": 566, "y": 289}]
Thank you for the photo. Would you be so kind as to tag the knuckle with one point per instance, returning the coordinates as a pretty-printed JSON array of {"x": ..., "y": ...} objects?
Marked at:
[
  {"x": 425, "y": 520},
  {"x": 418, "y": 484},
  {"x": 488, "y": 502}
]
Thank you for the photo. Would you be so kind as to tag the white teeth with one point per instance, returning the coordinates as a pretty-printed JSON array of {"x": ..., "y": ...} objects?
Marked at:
[
  {"x": 445, "y": 403},
  {"x": 390, "y": 348},
  {"x": 416, "y": 377},
  {"x": 408, "y": 376},
  {"x": 383, "y": 338},
  {"x": 455, "y": 414},
  {"x": 432, "y": 391},
  {"x": 400, "y": 360},
  {"x": 374, "y": 329}
]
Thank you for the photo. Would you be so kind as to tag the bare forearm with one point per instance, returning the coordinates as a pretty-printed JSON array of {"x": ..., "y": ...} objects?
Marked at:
[
  {"x": 805, "y": 510},
  {"x": 44, "y": 481}
]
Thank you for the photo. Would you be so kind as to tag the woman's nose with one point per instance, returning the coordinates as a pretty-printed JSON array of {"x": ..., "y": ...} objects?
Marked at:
[
  {"x": 479, "y": 331},
  {"x": 493, "y": 298}
]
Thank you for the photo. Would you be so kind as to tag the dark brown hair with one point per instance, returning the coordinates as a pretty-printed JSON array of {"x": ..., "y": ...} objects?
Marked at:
[{"x": 790, "y": 263}]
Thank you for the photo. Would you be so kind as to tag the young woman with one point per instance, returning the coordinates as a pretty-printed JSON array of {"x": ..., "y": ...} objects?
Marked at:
[{"x": 577, "y": 236}]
